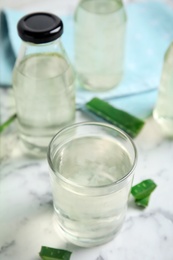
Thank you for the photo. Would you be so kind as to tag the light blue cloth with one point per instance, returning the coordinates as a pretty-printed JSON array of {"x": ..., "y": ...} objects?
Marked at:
[{"x": 149, "y": 33}]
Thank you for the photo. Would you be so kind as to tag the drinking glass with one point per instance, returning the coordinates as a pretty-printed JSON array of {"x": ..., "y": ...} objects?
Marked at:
[{"x": 91, "y": 169}]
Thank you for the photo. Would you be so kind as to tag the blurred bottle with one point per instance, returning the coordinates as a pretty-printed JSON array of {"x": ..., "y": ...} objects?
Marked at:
[
  {"x": 100, "y": 27},
  {"x": 163, "y": 112}
]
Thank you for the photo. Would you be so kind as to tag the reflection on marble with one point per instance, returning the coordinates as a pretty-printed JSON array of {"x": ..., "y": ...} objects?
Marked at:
[{"x": 26, "y": 211}]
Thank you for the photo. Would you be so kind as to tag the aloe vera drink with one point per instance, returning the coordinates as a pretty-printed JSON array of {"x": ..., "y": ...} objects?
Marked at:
[
  {"x": 100, "y": 28},
  {"x": 163, "y": 112},
  {"x": 44, "y": 90},
  {"x": 90, "y": 188}
]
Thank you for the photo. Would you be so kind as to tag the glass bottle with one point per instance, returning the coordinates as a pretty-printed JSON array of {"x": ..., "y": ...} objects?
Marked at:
[
  {"x": 163, "y": 112},
  {"x": 43, "y": 81},
  {"x": 100, "y": 27}
]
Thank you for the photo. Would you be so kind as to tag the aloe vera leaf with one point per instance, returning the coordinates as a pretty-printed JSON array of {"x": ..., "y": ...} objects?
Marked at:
[
  {"x": 127, "y": 122},
  {"x": 143, "y": 202},
  {"x": 143, "y": 189},
  {"x": 8, "y": 122},
  {"x": 48, "y": 253}
]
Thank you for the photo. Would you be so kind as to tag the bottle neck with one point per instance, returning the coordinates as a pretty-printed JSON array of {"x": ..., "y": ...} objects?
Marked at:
[
  {"x": 43, "y": 47},
  {"x": 28, "y": 48}
]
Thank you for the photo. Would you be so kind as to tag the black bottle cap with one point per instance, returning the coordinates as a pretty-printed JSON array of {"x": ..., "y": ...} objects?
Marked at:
[{"x": 40, "y": 27}]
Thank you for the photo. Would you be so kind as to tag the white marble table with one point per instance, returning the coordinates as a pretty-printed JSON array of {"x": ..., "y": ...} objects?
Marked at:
[{"x": 26, "y": 212}]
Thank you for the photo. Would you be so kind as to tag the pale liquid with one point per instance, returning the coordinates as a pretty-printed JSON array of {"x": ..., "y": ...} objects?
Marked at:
[
  {"x": 90, "y": 161},
  {"x": 45, "y": 99},
  {"x": 163, "y": 112},
  {"x": 99, "y": 43}
]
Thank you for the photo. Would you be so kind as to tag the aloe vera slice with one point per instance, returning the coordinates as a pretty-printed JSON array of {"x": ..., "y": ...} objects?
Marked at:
[
  {"x": 8, "y": 122},
  {"x": 48, "y": 253},
  {"x": 127, "y": 122},
  {"x": 143, "y": 202},
  {"x": 143, "y": 189}
]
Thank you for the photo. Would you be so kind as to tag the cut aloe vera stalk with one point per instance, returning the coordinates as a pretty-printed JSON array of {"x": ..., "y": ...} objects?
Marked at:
[
  {"x": 8, "y": 122},
  {"x": 48, "y": 253},
  {"x": 143, "y": 202},
  {"x": 143, "y": 189},
  {"x": 127, "y": 122}
]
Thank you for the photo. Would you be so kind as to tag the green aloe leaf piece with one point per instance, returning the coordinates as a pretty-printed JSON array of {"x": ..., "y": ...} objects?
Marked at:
[
  {"x": 143, "y": 189},
  {"x": 127, "y": 122},
  {"x": 8, "y": 122},
  {"x": 143, "y": 202},
  {"x": 48, "y": 253}
]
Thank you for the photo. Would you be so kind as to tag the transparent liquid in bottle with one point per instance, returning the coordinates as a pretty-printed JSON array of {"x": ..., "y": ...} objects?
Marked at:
[
  {"x": 99, "y": 43},
  {"x": 44, "y": 90},
  {"x": 163, "y": 112}
]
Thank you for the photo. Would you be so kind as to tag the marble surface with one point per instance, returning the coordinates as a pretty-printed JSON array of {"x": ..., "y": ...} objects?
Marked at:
[{"x": 26, "y": 211}]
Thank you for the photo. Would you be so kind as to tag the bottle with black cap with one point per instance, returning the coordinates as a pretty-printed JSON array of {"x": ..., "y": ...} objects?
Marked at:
[{"x": 43, "y": 81}]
